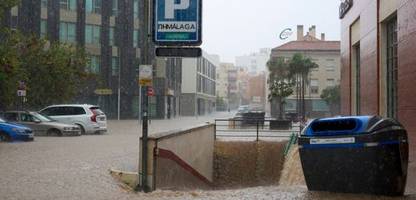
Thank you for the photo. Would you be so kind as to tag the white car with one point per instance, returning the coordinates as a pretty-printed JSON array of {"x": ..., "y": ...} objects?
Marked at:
[{"x": 89, "y": 118}]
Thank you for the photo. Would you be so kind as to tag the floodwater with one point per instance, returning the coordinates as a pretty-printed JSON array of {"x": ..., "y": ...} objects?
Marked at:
[{"x": 291, "y": 186}]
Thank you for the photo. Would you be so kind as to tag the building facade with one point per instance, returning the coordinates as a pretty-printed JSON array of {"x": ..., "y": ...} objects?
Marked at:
[
  {"x": 326, "y": 54},
  {"x": 198, "y": 95},
  {"x": 256, "y": 91},
  {"x": 255, "y": 62},
  {"x": 227, "y": 87},
  {"x": 378, "y": 66},
  {"x": 109, "y": 30}
]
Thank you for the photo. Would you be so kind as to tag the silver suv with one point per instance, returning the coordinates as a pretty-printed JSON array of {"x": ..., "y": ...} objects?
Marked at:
[{"x": 89, "y": 118}]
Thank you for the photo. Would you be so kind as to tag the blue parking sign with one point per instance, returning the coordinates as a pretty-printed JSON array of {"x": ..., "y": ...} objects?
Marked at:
[{"x": 177, "y": 22}]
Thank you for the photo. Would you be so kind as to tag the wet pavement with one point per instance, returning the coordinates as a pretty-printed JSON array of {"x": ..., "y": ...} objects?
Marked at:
[{"x": 77, "y": 168}]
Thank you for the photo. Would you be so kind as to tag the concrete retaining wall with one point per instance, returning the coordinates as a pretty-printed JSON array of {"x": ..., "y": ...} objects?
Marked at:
[{"x": 181, "y": 159}]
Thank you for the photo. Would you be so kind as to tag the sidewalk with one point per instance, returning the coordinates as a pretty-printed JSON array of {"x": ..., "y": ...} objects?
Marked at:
[{"x": 156, "y": 126}]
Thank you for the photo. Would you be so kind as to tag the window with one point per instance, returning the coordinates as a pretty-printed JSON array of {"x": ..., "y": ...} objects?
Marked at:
[
  {"x": 44, "y": 3},
  {"x": 111, "y": 37},
  {"x": 330, "y": 68},
  {"x": 68, "y": 5},
  {"x": 136, "y": 8},
  {"x": 54, "y": 111},
  {"x": 115, "y": 64},
  {"x": 392, "y": 68},
  {"x": 319, "y": 106},
  {"x": 26, "y": 117},
  {"x": 93, "y": 6},
  {"x": 115, "y": 8},
  {"x": 314, "y": 86},
  {"x": 135, "y": 38},
  {"x": 330, "y": 82},
  {"x": 67, "y": 32},
  {"x": 12, "y": 117},
  {"x": 43, "y": 28},
  {"x": 92, "y": 34},
  {"x": 94, "y": 65}
]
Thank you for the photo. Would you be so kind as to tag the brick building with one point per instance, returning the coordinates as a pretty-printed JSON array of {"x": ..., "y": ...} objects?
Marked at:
[{"x": 378, "y": 66}]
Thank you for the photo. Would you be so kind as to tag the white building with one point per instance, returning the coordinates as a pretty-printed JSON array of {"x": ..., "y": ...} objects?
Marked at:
[
  {"x": 255, "y": 62},
  {"x": 198, "y": 85}
]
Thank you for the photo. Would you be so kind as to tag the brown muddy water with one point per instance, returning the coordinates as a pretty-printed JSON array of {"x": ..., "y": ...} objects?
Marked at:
[{"x": 291, "y": 185}]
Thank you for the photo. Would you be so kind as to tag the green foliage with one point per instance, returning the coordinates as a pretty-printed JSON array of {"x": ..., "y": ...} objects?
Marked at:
[
  {"x": 5, "y": 5},
  {"x": 53, "y": 73},
  {"x": 301, "y": 66},
  {"x": 279, "y": 81},
  {"x": 280, "y": 89},
  {"x": 331, "y": 95}
]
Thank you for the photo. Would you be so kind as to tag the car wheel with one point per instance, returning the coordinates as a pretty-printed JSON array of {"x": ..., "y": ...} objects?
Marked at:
[
  {"x": 54, "y": 132},
  {"x": 4, "y": 137},
  {"x": 82, "y": 129}
]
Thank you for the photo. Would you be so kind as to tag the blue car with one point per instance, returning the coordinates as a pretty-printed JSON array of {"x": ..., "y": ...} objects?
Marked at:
[{"x": 14, "y": 132}]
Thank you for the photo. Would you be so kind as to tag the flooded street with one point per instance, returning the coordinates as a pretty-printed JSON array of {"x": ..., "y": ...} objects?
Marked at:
[{"x": 58, "y": 168}]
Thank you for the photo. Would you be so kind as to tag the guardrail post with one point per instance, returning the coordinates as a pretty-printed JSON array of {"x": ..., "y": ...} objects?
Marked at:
[
  {"x": 215, "y": 130},
  {"x": 257, "y": 130}
]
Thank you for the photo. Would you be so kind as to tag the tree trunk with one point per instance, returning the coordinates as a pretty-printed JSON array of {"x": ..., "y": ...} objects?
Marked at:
[
  {"x": 280, "y": 103},
  {"x": 274, "y": 107}
]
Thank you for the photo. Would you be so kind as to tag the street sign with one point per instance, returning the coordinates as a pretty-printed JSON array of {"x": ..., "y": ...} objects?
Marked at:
[
  {"x": 103, "y": 92},
  {"x": 21, "y": 93},
  {"x": 150, "y": 92},
  {"x": 145, "y": 75},
  {"x": 177, "y": 22},
  {"x": 179, "y": 52}
]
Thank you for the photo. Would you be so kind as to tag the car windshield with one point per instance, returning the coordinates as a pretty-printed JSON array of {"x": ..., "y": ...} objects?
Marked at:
[{"x": 41, "y": 117}]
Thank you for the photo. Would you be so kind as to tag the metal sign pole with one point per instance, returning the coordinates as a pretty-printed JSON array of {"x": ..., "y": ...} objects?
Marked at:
[{"x": 145, "y": 61}]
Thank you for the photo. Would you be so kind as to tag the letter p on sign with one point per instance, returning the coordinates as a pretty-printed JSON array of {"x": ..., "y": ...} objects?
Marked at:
[{"x": 171, "y": 6}]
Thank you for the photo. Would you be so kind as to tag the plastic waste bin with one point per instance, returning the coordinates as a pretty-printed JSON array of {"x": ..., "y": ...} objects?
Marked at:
[{"x": 367, "y": 154}]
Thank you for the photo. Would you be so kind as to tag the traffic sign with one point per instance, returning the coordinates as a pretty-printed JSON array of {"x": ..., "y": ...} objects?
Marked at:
[
  {"x": 145, "y": 75},
  {"x": 185, "y": 52},
  {"x": 21, "y": 93},
  {"x": 150, "y": 92},
  {"x": 177, "y": 22}
]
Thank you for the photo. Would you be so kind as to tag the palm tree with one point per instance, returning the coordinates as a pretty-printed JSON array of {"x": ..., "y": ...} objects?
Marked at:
[
  {"x": 280, "y": 85},
  {"x": 300, "y": 68}
]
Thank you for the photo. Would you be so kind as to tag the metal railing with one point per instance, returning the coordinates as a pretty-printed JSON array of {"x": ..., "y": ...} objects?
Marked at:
[{"x": 249, "y": 128}]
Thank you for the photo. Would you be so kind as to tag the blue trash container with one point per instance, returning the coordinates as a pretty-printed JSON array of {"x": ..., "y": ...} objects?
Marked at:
[{"x": 366, "y": 154}]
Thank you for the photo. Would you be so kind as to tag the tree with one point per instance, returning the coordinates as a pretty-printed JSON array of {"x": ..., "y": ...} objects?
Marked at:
[
  {"x": 280, "y": 85},
  {"x": 300, "y": 68},
  {"x": 53, "y": 73},
  {"x": 6, "y": 5},
  {"x": 332, "y": 96}
]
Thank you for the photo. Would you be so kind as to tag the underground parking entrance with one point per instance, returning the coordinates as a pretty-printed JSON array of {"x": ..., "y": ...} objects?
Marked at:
[{"x": 229, "y": 154}]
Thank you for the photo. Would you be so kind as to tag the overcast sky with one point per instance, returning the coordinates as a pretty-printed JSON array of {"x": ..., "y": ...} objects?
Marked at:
[{"x": 238, "y": 27}]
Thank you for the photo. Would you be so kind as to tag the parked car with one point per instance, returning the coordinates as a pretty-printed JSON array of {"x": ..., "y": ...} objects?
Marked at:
[
  {"x": 11, "y": 132},
  {"x": 243, "y": 109},
  {"x": 89, "y": 118},
  {"x": 42, "y": 125}
]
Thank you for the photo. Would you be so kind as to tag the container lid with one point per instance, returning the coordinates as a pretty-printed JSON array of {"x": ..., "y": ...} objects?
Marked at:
[{"x": 353, "y": 125}]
